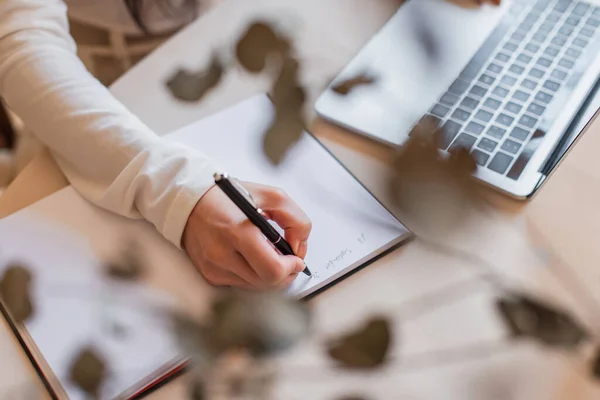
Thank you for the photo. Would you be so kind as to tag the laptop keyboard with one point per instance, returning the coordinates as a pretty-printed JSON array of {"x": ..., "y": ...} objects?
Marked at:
[{"x": 498, "y": 104}]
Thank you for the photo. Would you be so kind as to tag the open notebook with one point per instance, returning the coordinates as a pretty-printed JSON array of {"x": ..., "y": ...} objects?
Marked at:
[{"x": 65, "y": 240}]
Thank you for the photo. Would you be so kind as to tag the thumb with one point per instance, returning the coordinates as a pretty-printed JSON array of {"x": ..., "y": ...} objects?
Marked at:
[{"x": 294, "y": 265}]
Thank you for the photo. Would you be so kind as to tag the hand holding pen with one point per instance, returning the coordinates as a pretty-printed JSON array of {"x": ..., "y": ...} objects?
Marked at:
[
  {"x": 229, "y": 250},
  {"x": 245, "y": 202}
]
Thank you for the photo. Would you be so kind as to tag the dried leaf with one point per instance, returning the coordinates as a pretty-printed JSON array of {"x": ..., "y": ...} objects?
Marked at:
[
  {"x": 261, "y": 323},
  {"x": 129, "y": 268},
  {"x": 345, "y": 87},
  {"x": 88, "y": 371},
  {"x": 353, "y": 397},
  {"x": 530, "y": 318},
  {"x": 15, "y": 289},
  {"x": 433, "y": 191},
  {"x": 365, "y": 348},
  {"x": 288, "y": 125},
  {"x": 596, "y": 364},
  {"x": 192, "y": 86},
  {"x": 197, "y": 390},
  {"x": 193, "y": 339},
  {"x": 255, "y": 46}
]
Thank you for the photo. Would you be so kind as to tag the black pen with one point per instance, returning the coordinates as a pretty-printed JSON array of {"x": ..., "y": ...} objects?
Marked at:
[{"x": 243, "y": 199}]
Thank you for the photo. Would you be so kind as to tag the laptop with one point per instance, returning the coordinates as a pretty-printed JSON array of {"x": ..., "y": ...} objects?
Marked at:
[{"x": 515, "y": 84}]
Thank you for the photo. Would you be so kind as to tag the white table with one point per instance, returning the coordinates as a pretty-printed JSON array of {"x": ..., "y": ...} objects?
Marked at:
[{"x": 329, "y": 34}]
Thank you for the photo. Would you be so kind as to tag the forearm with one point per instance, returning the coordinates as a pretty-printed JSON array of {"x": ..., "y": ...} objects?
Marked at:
[{"x": 108, "y": 154}]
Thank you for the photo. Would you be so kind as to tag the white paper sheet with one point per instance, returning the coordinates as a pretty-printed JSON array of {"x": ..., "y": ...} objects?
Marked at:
[{"x": 65, "y": 240}]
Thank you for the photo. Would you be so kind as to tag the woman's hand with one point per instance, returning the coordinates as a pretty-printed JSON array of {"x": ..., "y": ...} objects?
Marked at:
[{"x": 230, "y": 251}]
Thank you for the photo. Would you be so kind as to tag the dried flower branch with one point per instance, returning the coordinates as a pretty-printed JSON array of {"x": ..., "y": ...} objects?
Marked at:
[{"x": 15, "y": 289}]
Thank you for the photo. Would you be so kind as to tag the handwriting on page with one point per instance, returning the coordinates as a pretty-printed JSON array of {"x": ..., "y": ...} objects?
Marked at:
[{"x": 342, "y": 255}]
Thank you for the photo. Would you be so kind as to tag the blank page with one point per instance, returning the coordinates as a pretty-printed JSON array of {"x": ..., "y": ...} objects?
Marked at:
[{"x": 66, "y": 241}]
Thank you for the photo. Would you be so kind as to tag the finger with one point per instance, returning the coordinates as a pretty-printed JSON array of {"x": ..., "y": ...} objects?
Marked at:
[
  {"x": 238, "y": 265},
  {"x": 286, "y": 213},
  {"x": 217, "y": 276},
  {"x": 288, "y": 281},
  {"x": 272, "y": 267}
]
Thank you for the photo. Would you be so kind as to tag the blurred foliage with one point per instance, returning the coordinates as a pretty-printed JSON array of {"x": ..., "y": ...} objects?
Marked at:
[
  {"x": 365, "y": 348},
  {"x": 15, "y": 289},
  {"x": 130, "y": 267},
  {"x": 192, "y": 86},
  {"x": 88, "y": 371},
  {"x": 346, "y": 86},
  {"x": 527, "y": 317}
]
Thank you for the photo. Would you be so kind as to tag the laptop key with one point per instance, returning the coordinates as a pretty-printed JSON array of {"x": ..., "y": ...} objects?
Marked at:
[
  {"x": 463, "y": 141},
  {"x": 458, "y": 87},
  {"x": 593, "y": 22},
  {"x": 528, "y": 121},
  {"x": 520, "y": 96},
  {"x": 469, "y": 103},
  {"x": 580, "y": 42},
  {"x": 566, "y": 30},
  {"x": 510, "y": 47},
  {"x": 504, "y": 119},
  {"x": 543, "y": 97},
  {"x": 529, "y": 84},
  {"x": 481, "y": 158},
  {"x": 580, "y": 9},
  {"x": 500, "y": 91},
  {"x": 460, "y": 114},
  {"x": 539, "y": 37},
  {"x": 517, "y": 69},
  {"x": 500, "y": 163},
  {"x": 496, "y": 132},
  {"x": 525, "y": 59},
  {"x": 484, "y": 115},
  {"x": 512, "y": 107},
  {"x": 519, "y": 133},
  {"x": 508, "y": 80},
  {"x": 568, "y": 64},
  {"x": 449, "y": 99},
  {"x": 494, "y": 68},
  {"x": 562, "y": 5},
  {"x": 536, "y": 73},
  {"x": 502, "y": 57},
  {"x": 510, "y": 146},
  {"x": 546, "y": 27},
  {"x": 532, "y": 47},
  {"x": 551, "y": 85},
  {"x": 544, "y": 62},
  {"x": 492, "y": 103},
  {"x": 478, "y": 91},
  {"x": 586, "y": 32},
  {"x": 474, "y": 128},
  {"x": 573, "y": 21},
  {"x": 553, "y": 17},
  {"x": 487, "y": 144},
  {"x": 559, "y": 40},
  {"x": 551, "y": 51},
  {"x": 486, "y": 79},
  {"x": 536, "y": 109},
  {"x": 439, "y": 110},
  {"x": 517, "y": 36},
  {"x": 449, "y": 131},
  {"x": 571, "y": 52}
]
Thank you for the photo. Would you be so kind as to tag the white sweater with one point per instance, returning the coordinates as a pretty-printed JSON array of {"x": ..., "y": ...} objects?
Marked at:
[{"x": 107, "y": 154}]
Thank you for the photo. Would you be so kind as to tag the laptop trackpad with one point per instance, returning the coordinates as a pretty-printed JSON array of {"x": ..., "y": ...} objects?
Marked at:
[{"x": 416, "y": 56}]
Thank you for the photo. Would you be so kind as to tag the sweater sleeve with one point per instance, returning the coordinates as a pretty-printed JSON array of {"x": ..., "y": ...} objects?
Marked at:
[{"x": 107, "y": 154}]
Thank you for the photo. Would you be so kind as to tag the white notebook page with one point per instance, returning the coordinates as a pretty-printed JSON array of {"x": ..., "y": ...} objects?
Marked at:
[{"x": 65, "y": 239}]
